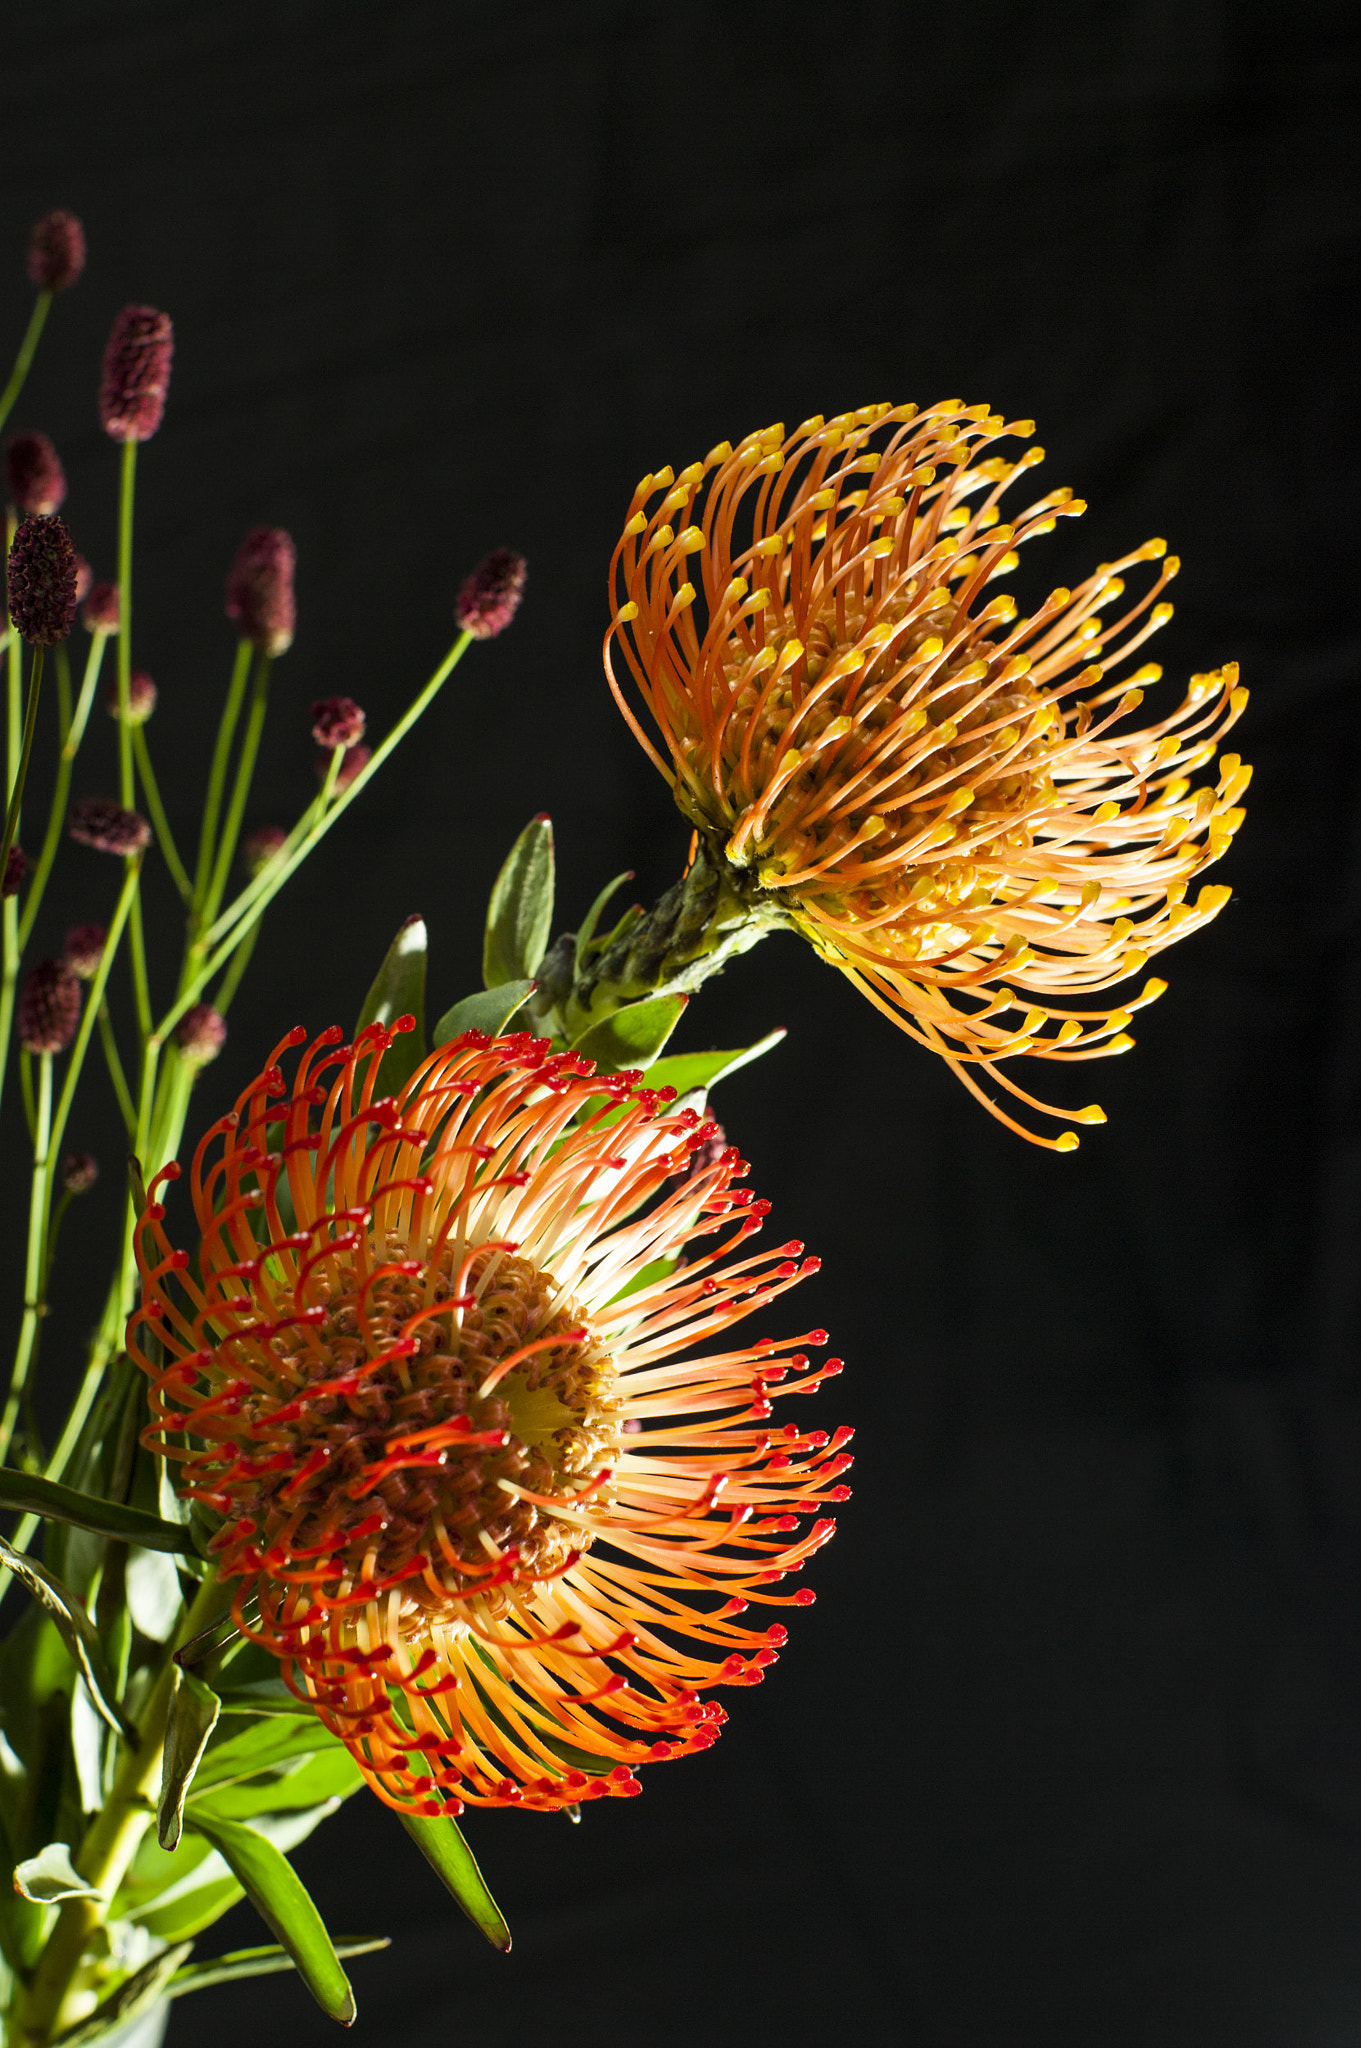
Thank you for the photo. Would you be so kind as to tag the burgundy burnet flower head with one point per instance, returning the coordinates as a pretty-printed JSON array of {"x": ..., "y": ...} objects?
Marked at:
[
  {"x": 99, "y": 822},
  {"x": 33, "y": 474},
  {"x": 49, "y": 1008},
  {"x": 260, "y": 589},
  {"x": 262, "y": 846},
  {"x": 16, "y": 867},
  {"x": 141, "y": 697},
  {"x": 132, "y": 390},
  {"x": 42, "y": 581},
  {"x": 490, "y": 597},
  {"x": 84, "y": 949},
  {"x": 56, "y": 251},
  {"x": 79, "y": 1172},
  {"x": 85, "y": 579},
  {"x": 337, "y": 722},
  {"x": 351, "y": 762},
  {"x": 100, "y": 613},
  {"x": 201, "y": 1034}
]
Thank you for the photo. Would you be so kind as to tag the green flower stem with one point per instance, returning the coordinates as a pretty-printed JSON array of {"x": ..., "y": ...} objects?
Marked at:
[
  {"x": 56, "y": 818},
  {"x": 9, "y": 974},
  {"x": 160, "y": 823},
  {"x": 266, "y": 885},
  {"x": 26, "y": 1090},
  {"x": 20, "y": 776},
  {"x": 35, "y": 1263},
  {"x": 126, "y": 493},
  {"x": 141, "y": 987},
  {"x": 110, "y": 1843},
  {"x": 114, "y": 1064},
  {"x": 63, "y": 661},
  {"x": 231, "y": 980},
  {"x": 245, "y": 770},
  {"x": 217, "y": 776},
  {"x": 27, "y": 347}
]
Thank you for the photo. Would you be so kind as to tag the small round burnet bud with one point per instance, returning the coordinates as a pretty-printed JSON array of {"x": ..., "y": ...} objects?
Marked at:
[
  {"x": 79, "y": 1172},
  {"x": 49, "y": 1008},
  {"x": 141, "y": 697},
  {"x": 33, "y": 474},
  {"x": 201, "y": 1034},
  {"x": 99, "y": 822},
  {"x": 260, "y": 589},
  {"x": 56, "y": 251},
  {"x": 337, "y": 722},
  {"x": 261, "y": 847},
  {"x": 99, "y": 613},
  {"x": 351, "y": 762},
  {"x": 84, "y": 949},
  {"x": 85, "y": 578},
  {"x": 42, "y": 581},
  {"x": 16, "y": 867},
  {"x": 491, "y": 596},
  {"x": 132, "y": 390}
]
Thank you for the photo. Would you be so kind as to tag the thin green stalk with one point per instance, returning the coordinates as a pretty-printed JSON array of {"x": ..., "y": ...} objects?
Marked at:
[
  {"x": 9, "y": 974},
  {"x": 34, "y": 1265},
  {"x": 127, "y": 489},
  {"x": 231, "y": 980},
  {"x": 261, "y": 891},
  {"x": 160, "y": 823},
  {"x": 26, "y": 1090},
  {"x": 63, "y": 661},
  {"x": 16, "y": 788},
  {"x": 141, "y": 986},
  {"x": 56, "y": 817},
  {"x": 22, "y": 361},
  {"x": 245, "y": 770},
  {"x": 114, "y": 1064},
  {"x": 217, "y": 774}
]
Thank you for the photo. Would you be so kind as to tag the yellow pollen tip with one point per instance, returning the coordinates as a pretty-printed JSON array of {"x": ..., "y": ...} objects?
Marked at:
[
  {"x": 721, "y": 453},
  {"x": 770, "y": 546},
  {"x": 1238, "y": 699},
  {"x": 1067, "y": 1141},
  {"x": 1105, "y": 814},
  {"x": 685, "y": 596},
  {"x": 636, "y": 524},
  {"x": 1161, "y": 613},
  {"x": 1152, "y": 989},
  {"x": 872, "y": 827},
  {"x": 662, "y": 538},
  {"x": 626, "y": 612},
  {"x": 1212, "y": 898},
  {"x": 691, "y": 540},
  {"x": 1122, "y": 1042},
  {"x": 1172, "y": 567},
  {"x": 735, "y": 591},
  {"x": 1092, "y": 1114},
  {"x": 1153, "y": 550}
]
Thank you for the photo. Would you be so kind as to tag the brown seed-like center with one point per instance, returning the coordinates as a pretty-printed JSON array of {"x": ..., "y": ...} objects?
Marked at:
[{"x": 448, "y": 1501}]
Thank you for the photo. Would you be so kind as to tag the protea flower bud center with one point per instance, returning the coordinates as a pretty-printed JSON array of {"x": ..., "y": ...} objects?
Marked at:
[{"x": 425, "y": 1467}]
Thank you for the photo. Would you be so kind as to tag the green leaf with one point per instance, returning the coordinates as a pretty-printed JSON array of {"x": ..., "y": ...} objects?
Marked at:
[
  {"x": 49, "y": 1877},
  {"x": 592, "y": 918},
  {"x": 262, "y": 1962},
  {"x": 633, "y": 1036},
  {"x": 490, "y": 1010},
  {"x": 449, "y": 1856},
  {"x": 63, "y": 1504},
  {"x": 300, "y": 1781},
  {"x": 76, "y": 1630},
  {"x": 134, "y": 1995},
  {"x": 283, "y": 1902},
  {"x": 686, "y": 1070},
  {"x": 242, "y": 1751},
  {"x": 194, "y": 1709},
  {"x": 520, "y": 914},
  {"x": 399, "y": 991}
]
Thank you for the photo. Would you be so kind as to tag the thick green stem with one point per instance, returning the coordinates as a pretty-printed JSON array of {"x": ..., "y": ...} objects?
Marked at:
[
  {"x": 56, "y": 816},
  {"x": 34, "y": 1264},
  {"x": 37, "y": 320},
  {"x": 217, "y": 775}
]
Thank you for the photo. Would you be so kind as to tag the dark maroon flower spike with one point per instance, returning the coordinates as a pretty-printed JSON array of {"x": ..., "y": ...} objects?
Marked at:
[
  {"x": 337, "y": 722},
  {"x": 34, "y": 475},
  {"x": 132, "y": 391},
  {"x": 260, "y": 589},
  {"x": 49, "y": 1008},
  {"x": 99, "y": 822},
  {"x": 491, "y": 596},
  {"x": 99, "y": 613},
  {"x": 56, "y": 251},
  {"x": 42, "y": 581},
  {"x": 201, "y": 1034},
  {"x": 84, "y": 950}
]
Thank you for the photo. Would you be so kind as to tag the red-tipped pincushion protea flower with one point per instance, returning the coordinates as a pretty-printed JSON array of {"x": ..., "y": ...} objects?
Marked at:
[
  {"x": 435, "y": 1367},
  {"x": 56, "y": 251},
  {"x": 950, "y": 801},
  {"x": 260, "y": 589},
  {"x": 33, "y": 471}
]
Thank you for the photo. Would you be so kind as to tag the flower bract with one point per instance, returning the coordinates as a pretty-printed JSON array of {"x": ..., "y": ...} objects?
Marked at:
[{"x": 452, "y": 1375}]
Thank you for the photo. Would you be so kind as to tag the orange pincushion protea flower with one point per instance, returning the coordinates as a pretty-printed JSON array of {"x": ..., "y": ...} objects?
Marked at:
[
  {"x": 943, "y": 797},
  {"x": 435, "y": 1372}
]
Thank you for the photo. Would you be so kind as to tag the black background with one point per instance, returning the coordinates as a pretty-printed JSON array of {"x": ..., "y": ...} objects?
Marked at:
[{"x": 1069, "y": 1751}]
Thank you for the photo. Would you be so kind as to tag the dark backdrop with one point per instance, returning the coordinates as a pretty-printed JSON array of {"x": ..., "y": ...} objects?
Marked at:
[{"x": 1069, "y": 1752}]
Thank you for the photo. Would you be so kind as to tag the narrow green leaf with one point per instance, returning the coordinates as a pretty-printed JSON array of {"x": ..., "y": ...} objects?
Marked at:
[
  {"x": 686, "y": 1070},
  {"x": 242, "y": 1749},
  {"x": 298, "y": 1781},
  {"x": 453, "y": 1862},
  {"x": 36, "y": 1496},
  {"x": 592, "y": 918},
  {"x": 399, "y": 991},
  {"x": 134, "y": 1995},
  {"x": 633, "y": 1036},
  {"x": 262, "y": 1962},
  {"x": 76, "y": 1630},
  {"x": 490, "y": 1010},
  {"x": 284, "y": 1903},
  {"x": 194, "y": 1709},
  {"x": 520, "y": 914},
  {"x": 50, "y": 1876}
]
